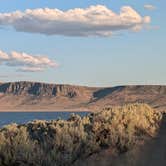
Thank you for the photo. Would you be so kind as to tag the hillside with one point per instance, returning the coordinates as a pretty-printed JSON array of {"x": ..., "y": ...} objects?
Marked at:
[{"x": 33, "y": 96}]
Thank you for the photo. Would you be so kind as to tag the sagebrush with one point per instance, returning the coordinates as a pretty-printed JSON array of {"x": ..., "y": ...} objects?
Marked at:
[{"x": 63, "y": 142}]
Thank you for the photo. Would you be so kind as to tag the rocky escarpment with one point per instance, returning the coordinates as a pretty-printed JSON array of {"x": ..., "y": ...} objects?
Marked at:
[
  {"x": 36, "y": 96},
  {"x": 41, "y": 96},
  {"x": 43, "y": 89}
]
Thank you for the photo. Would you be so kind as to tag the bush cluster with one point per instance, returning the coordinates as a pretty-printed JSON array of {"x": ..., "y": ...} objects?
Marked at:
[{"x": 63, "y": 142}]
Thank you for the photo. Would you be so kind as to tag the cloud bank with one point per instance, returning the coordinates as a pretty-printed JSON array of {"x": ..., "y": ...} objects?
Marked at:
[
  {"x": 149, "y": 7},
  {"x": 26, "y": 62},
  {"x": 92, "y": 21}
]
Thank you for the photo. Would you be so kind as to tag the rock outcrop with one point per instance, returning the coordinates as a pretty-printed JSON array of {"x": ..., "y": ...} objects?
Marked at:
[
  {"x": 41, "y": 96},
  {"x": 42, "y": 89}
]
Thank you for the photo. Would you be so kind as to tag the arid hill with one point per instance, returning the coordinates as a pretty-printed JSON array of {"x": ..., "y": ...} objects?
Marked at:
[{"x": 33, "y": 96}]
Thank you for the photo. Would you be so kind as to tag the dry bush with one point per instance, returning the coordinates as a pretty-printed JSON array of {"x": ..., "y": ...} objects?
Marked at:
[{"x": 63, "y": 142}]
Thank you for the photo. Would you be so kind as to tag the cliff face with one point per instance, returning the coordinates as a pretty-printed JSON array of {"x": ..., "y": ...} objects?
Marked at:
[
  {"x": 42, "y": 89},
  {"x": 37, "y": 96}
]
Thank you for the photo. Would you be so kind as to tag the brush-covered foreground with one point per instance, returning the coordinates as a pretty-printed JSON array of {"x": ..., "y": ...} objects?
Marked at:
[{"x": 66, "y": 142}]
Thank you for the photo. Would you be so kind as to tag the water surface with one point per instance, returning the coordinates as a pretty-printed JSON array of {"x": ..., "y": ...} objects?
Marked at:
[{"x": 23, "y": 117}]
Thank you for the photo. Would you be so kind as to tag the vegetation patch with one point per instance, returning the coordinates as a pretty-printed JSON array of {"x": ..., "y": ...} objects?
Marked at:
[{"x": 64, "y": 142}]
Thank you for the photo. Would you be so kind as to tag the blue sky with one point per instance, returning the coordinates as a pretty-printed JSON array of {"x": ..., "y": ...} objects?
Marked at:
[{"x": 126, "y": 57}]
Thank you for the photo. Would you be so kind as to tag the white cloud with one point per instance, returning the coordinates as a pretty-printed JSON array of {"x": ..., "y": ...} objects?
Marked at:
[
  {"x": 3, "y": 56},
  {"x": 26, "y": 62},
  {"x": 149, "y": 7},
  {"x": 30, "y": 69},
  {"x": 92, "y": 21}
]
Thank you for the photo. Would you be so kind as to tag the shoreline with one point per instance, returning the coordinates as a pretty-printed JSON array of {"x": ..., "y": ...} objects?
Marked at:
[{"x": 46, "y": 110}]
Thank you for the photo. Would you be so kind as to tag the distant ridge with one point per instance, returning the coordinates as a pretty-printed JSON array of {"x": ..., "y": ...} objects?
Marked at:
[{"x": 36, "y": 96}]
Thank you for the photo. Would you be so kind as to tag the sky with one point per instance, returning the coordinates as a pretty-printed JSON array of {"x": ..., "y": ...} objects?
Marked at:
[{"x": 92, "y": 43}]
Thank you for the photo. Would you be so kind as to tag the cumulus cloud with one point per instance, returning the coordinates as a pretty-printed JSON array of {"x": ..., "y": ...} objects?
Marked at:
[
  {"x": 92, "y": 21},
  {"x": 26, "y": 62},
  {"x": 3, "y": 56},
  {"x": 149, "y": 7}
]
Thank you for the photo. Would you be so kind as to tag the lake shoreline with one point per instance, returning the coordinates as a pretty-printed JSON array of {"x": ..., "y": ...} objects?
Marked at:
[
  {"x": 47, "y": 110},
  {"x": 7, "y": 118}
]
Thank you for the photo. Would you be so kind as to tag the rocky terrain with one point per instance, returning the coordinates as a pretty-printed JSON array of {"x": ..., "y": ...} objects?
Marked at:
[{"x": 36, "y": 96}]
